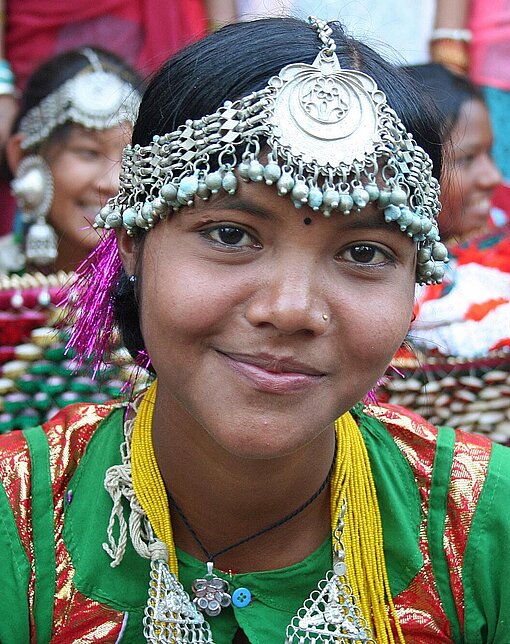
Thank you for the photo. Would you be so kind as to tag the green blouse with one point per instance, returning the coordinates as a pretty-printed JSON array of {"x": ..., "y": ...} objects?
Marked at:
[{"x": 276, "y": 595}]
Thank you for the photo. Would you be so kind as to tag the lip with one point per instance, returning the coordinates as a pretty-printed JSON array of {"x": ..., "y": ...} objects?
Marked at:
[{"x": 271, "y": 373}]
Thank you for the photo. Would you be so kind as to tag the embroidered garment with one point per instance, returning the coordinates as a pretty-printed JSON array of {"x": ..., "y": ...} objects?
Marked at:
[{"x": 442, "y": 496}]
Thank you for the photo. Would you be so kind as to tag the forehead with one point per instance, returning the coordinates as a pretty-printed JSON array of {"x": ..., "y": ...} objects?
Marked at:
[
  {"x": 473, "y": 125},
  {"x": 113, "y": 137}
]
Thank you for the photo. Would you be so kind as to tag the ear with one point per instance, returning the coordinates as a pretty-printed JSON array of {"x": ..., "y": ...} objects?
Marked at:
[
  {"x": 128, "y": 251},
  {"x": 13, "y": 151}
]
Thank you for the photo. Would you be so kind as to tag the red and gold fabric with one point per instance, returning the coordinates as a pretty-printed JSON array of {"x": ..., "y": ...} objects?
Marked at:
[{"x": 441, "y": 494}]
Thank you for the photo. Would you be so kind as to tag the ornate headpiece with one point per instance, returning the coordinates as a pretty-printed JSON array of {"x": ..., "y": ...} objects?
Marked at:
[
  {"x": 324, "y": 135},
  {"x": 95, "y": 98}
]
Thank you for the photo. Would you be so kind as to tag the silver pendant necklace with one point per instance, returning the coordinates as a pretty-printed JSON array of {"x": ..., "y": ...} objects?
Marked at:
[
  {"x": 212, "y": 593},
  {"x": 329, "y": 615}
]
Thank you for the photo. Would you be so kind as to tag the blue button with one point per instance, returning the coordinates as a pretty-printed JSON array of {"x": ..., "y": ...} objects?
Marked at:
[{"x": 241, "y": 597}]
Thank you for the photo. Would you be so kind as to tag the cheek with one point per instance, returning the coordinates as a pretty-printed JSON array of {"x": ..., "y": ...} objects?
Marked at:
[
  {"x": 455, "y": 192},
  {"x": 67, "y": 184},
  {"x": 180, "y": 300},
  {"x": 383, "y": 322}
]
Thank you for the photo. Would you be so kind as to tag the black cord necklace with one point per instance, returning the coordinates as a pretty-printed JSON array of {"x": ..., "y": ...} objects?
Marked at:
[{"x": 212, "y": 592}]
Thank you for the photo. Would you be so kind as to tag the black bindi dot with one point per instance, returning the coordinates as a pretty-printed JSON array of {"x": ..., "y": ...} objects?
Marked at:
[{"x": 307, "y": 221}]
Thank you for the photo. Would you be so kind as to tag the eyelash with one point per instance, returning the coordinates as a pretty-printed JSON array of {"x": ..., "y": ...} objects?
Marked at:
[
  {"x": 389, "y": 258},
  {"x": 209, "y": 232}
]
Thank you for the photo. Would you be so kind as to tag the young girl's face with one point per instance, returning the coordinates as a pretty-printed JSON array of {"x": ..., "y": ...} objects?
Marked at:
[
  {"x": 85, "y": 168},
  {"x": 264, "y": 322},
  {"x": 468, "y": 186}
]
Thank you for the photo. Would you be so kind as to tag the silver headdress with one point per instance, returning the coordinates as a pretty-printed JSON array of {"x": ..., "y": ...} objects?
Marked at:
[
  {"x": 95, "y": 98},
  {"x": 332, "y": 143}
]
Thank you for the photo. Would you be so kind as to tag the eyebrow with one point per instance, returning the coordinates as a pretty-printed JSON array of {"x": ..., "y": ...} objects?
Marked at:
[
  {"x": 229, "y": 202},
  {"x": 370, "y": 219},
  {"x": 373, "y": 219}
]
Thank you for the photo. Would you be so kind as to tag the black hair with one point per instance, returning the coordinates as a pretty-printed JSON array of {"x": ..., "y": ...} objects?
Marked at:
[
  {"x": 240, "y": 59},
  {"x": 448, "y": 91}
]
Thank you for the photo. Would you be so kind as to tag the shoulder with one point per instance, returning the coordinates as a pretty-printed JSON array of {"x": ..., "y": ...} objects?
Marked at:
[
  {"x": 409, "y": 428},
  {"x": 73, "y": 426},
  {"x": 59, "y": 445},
  {"x": 440, "y": 453},
  {"x": 70, "y": 428}
]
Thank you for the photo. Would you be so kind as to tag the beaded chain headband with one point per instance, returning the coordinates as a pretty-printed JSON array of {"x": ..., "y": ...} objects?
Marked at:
[
  {"x": 323, "y": 135},
  {"x": 94, "y": 98}
]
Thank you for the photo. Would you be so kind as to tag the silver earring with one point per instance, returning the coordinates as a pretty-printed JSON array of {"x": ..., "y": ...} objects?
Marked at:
[
  {"x": 133, "y": 279},
  {"x": 325, "y": 317},
  {"x": 33, "y": 189}
]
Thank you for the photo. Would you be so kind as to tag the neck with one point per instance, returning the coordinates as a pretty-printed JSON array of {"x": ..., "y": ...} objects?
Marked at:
[{"x": 226, "y": 497}]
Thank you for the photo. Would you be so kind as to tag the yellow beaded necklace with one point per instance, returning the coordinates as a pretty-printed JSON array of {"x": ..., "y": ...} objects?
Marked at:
[{"x": 352, "y": 482}]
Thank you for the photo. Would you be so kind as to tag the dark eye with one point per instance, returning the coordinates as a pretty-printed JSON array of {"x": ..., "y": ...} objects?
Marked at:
[
  {"x": 365, "y": 254},
  {"x": 465, "y": 160},
  {"x": 230, "y": 236},
  {"x": 86, "y": 153}
]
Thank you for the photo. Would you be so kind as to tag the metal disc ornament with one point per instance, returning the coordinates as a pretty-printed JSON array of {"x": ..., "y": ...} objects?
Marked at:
[{"x": 325, "y": 115}]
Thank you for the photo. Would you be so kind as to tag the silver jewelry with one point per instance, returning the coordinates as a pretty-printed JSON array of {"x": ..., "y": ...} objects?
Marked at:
[
  {"x": 445, "y": 33},
  {"x": 330, "y": 614},
  {"x": 41, "y": 244},
  {"x": 334, "y": 145},
  {"x": 33, "y": 187},
  {"x": 170, "y": 616},
  {"x": 211, "y": 593},
  {"x": 325, "y": 317},
  {"x": 95, "y": 98}
]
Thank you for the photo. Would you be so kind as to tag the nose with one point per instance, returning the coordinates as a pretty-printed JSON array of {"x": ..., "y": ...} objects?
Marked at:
[
  {"x": 108, "y": 178},
  {"x": 291, "y": 300},
  {"x": 489, "y": 175}
]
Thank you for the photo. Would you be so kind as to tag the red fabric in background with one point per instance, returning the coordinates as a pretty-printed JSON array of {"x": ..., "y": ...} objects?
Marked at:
[
  {"x": 144, "y": 32},
  {"x": 501, "y": 198},
  {"x": 7, "y": 208}
]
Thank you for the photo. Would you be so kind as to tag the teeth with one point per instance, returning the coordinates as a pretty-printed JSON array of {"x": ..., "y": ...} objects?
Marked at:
[{"x": 484, "y": 204}]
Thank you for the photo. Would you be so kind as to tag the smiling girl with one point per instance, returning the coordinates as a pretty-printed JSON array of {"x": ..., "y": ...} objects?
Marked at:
[
  {"x": 273, "y": 215},
  {"x": 75, "y": 117}
]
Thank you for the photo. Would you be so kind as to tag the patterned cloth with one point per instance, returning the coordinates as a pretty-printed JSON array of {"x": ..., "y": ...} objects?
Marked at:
[{"x": 442, "y": 495}]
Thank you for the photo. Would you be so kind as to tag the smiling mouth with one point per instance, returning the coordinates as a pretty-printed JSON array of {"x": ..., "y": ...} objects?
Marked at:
[
  {"x": 481, "y": 205},
  {"x": 273, "y": 374}
]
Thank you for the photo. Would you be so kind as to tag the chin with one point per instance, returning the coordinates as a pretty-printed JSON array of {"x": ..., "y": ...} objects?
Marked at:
[{"x": 261, "y": 444}]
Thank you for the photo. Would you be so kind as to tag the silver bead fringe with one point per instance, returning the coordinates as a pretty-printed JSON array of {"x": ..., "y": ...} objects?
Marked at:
[{"x": 324, "y": 136}]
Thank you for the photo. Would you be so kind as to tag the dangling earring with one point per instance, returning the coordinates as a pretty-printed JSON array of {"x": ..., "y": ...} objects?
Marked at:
[{"x": 33, "y": 189}]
